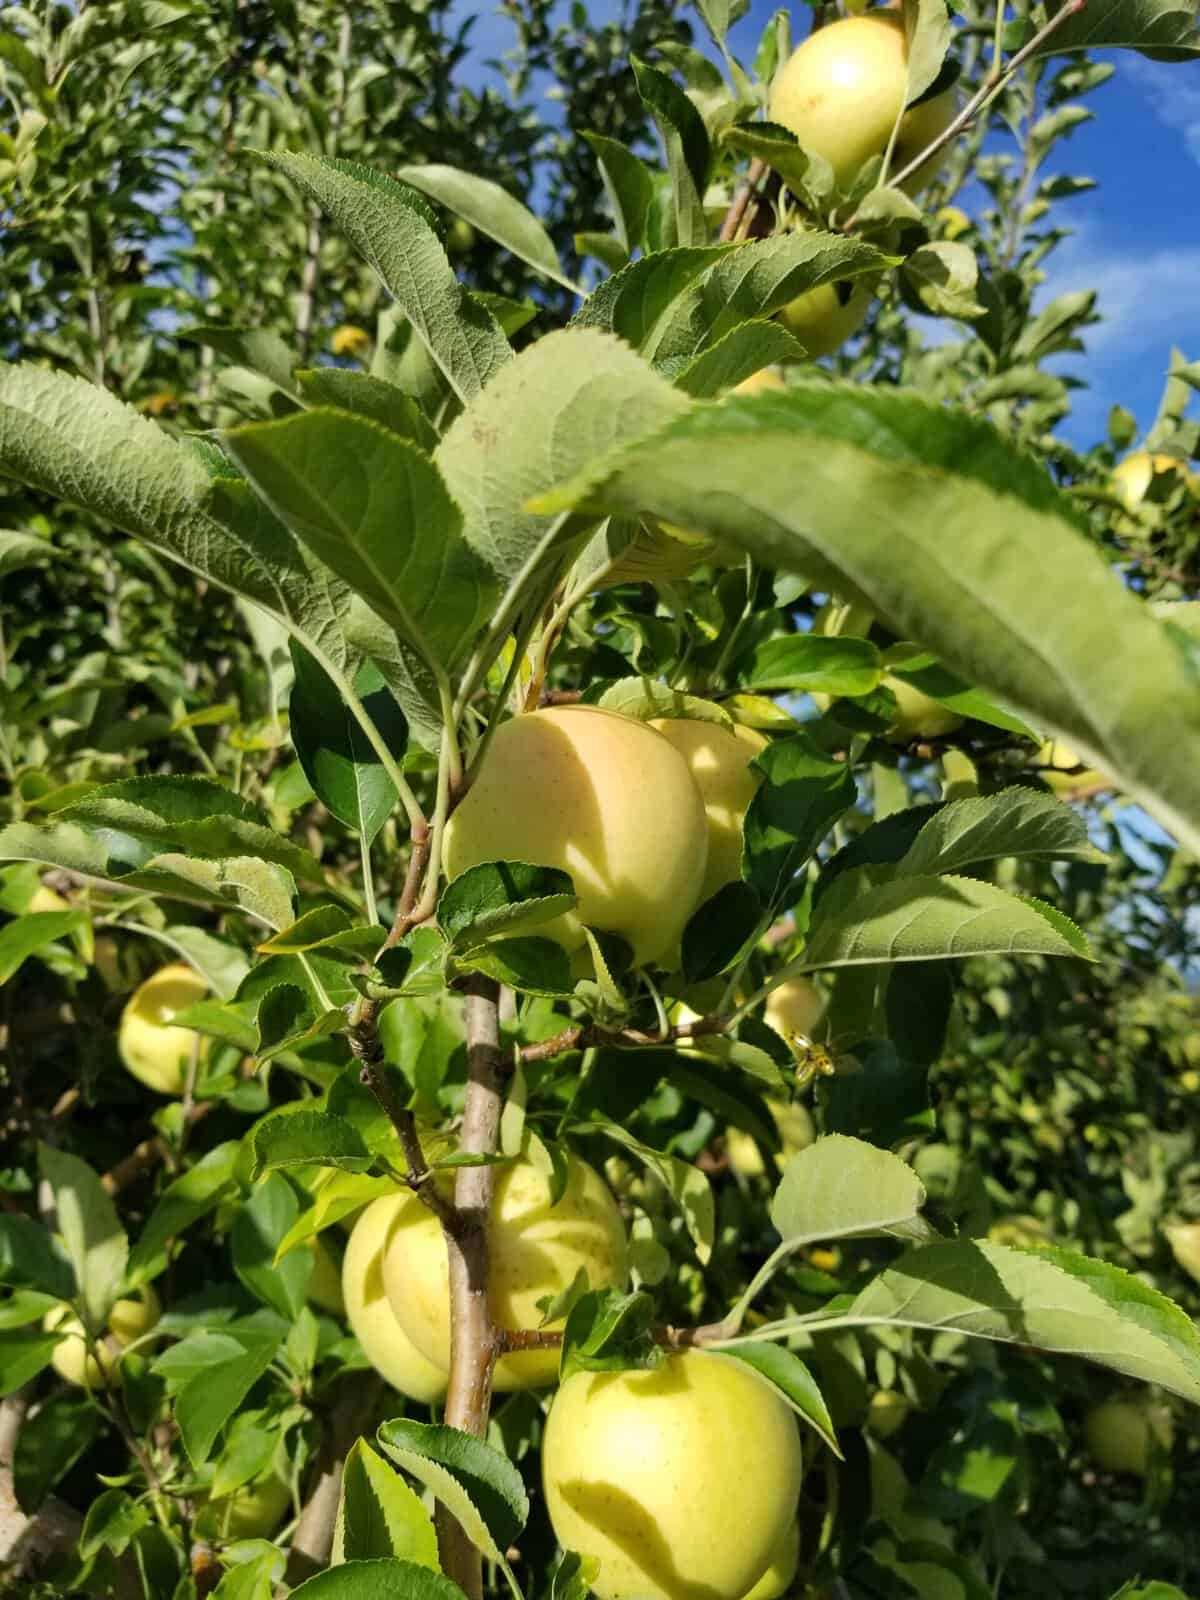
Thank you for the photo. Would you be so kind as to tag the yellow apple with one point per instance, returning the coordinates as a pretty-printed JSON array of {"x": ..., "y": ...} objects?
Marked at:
[
  {"x": 1061, "y": 768},
  {"x": 795, "y": 1008},
  {"x": 681, "y": 1481},
  {"x": 600, "y": 796},
  {"x": 1184, "y": 1239},
  {"x": 460, "y": 237},
  {"x": 325, "y": 1281},
  {"x": 796, "y": 1131},
  {"x": 919, "y": 716},
  {"x": 44, "y": 898},
  {"x": 128, "y": 1320},
  {"x": 152, "y": 1049},
  {"x": 385, "y": 1344},
  {"x": 825, "y": 317},
  {"x": 781, "y": 1569},
  {"x": 719, "y": 762},
  {"x": 764, "y": 381},
  {"x": 887, "y": 1412},
  {"x": 534, "y": 1250},
  {"x": 841, "y": 92},
  {"x": 1118, "y": 1433},
  {"x": 1132, "y": 477},
  {"x": 252, "y": 1512}
]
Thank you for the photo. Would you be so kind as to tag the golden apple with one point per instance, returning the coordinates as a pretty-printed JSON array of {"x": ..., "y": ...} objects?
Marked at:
[
  {"x": 1118, "y": 1433},
  {"x": 887, "y": 1412},
  {"x": 795, "y": 1008},
  {"x": 535, "y": 1250},
  {"x": 918, "y": 716},
  {"x": 325, "y": 1281},
  {"x": 1132, "y": 477},
  {"x": 796, "y": 1130},
  {"x": 1061, "y": 768},
  {"x": 152, "y": 1048},
  {"x": 1184, "y": 1239},
  {"x": 764, "y": 381},
  {"x": 841, "y": 92},
  {"x": 825, "y": 317},
  {"x": 600, "y": 796},
  {"x": 719, "y": 762},
  {"x": 385, "y": 1344},
  {"x": 44, "y": 898},
  {"x": 681, "y": 1481},
  {"x": 252, "y": 1512},
  {"x": 128, "y": 1320},
  {"x": 781, "y": 1568}
]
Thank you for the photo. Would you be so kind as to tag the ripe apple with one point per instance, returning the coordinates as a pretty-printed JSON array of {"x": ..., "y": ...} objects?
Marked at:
[
  {"x": 1061, "y": 768},
  {"x": 681, "y": 1481},
  {"x": 719, "y": 761},
  {"x": 887, "y": 1411},
  {"x": 795, "y": 1008},
  {"x": 44, "y": 898},
  {"x": 152, "y": 1049},
  {"x": 385, "y": 1344},
  {"x": 128, "y": 1320},
  {"x": 825, "y": 317},
  {"x": 535, "y": 1250},
  {"x": 252, "y": 1512},
  {"x": 841, "y": 92},
  {"x": 600, "y": 796},
  {"x": 1184, "y": 1239},
  {"x": 796, "y": 1131},
  {"x": 764, "y": 381},
  {"x": 918, "y": 716},
  {"x": 1132, "y": 477},
  {"x": 781, "y": 1568},
  {"x": 1118, "y": 1433},
  {"x": 325, "y": 1281}
]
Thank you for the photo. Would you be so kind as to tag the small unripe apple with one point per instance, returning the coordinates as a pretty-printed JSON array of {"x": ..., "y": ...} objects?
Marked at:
[
  {"x": 252, "y": 1512},
  {"x": 1132, "y": 477},
  {"x": 887, "y": 1412},
  {"x": 1118, "y": 1434},
  {"x": 460, "y": 237},
  {"x": 781, "y": 1568},
  {"x": 535, "y": 1250},
  {"x": 1061, "y": 768},
  {"x": 325, "y": 1281},
  {"x": 603, "y": 797},
  {"x": 822, "y": 319},
  {"x": 128, "y": 1320},
  {"x": 1184, "y": 1239},
  {"x": 152, "y": 1049},
  {"x": 918, "y": 715},
  {"x": 719, "y": 761},
  {"x": 681, "y": 1482},
  {"x": 795, "y": 1008},
  {"x": 841, "y": 92},
  {"x": 372, "y": 1321},
  {"x": 796, "y": 1131}
]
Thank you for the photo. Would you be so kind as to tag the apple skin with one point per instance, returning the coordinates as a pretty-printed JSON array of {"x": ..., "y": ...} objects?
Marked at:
[
  {"x": 796, "y": 1130},
  {"x": 535, "y": 1249},
  {"x": 386, "y": 1345},
  {"x": 777, "y": 1579},
  {"x": 918, "y": 716},
  {"x": 1056, "y": 754},
  {"x": 764, "y": 381},
  {"x": 822, "y": 320},
  {"x": 128, "y": 1320},
  {"x": 1184, "y": 1239},
  {"x": 603, "y": 797},
  {"x": 887, "y": 1412},
  {"x": 1132, "y": 477},
  {"x": 252, "y": 1512},
  {"x": 1118, "y": 1433},
  {"x": 154, "y": 1051},
  {"x": 795, "y": 1008},
  {"x": 681, "y": 1481},
  {"x": 842, "y": 90},
  {"x": 719, "y": 762}
]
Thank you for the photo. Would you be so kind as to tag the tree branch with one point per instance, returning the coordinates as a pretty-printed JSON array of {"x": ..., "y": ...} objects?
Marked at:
[
  {"x": 418, "y": 860},
  {"x": 587, "y": 1036},
  {"x": 745, "y": 192},
  {"x": 367, "y": 1048}
]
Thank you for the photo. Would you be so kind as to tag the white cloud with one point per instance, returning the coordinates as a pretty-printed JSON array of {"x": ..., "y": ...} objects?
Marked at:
[
  {"x": 1173, "y": 95},
  {"x": 1149, "y": 299}
]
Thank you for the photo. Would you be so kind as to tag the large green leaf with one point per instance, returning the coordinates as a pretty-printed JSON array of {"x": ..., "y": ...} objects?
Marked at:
[
  {"x": 379, "y": 1579},
  {"x": 840, "y": 1187},
  {"x": 379, "y": 1515},
  {"x": 91, "y": 1232},
  {"x": 1015, "y": 822},
  {"x": 346, "y": 774},
  {"x": 1166, "y": 26},
  {"x": 392, "y": 228},
  {"x": 937, "y": 522}
]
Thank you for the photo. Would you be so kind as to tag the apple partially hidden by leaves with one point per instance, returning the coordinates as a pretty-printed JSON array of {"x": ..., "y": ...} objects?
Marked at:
[
  {"x": 372, "y": 1321},
  {"x": 252, "y": 1512},
  {"x": 1061, "y": 768},
  {"x": 325, "y": 1280},
  {"x": 536, "y": 1250},
  {"x": 719, "y": 762},
  {"x": 573, "y": 787},
  {"x": 822, "y": 319},
  {"x": 131, "y": 1317},
  {"x": 1118, "y": 1433},
  {"x": 680, "y": 1481},
  {"x": 1184, "y": 1239},
  {"x": 918, "y": 715},
  {"x": 796, "y": 1131},
  {"x": 1132, "y": 477},
  {"x": 152, "y": 1048}
]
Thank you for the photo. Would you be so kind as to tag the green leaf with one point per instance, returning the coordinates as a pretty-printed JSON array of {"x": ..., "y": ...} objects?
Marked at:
[
  {"x": 378, "y": 1580},
  {"x": 814, "y": 662},
  {"x": 607, "y": 1331},
  {"x": 478, "y": 1486},
  {"x": 843, "y": 1188},
  {"x": 803, "y": 793},
  {"x": 808, "y": 175},
  {"x": 635, "y": 302},
  {"x": 727, "y": 1095},
  {"x": 1015, "y": 822},
  {"x": 374, "y": 509},
  {"x": 337, "y": 758},
  {"x": 687, "y": 1185},
  {"x": 933, "y": 679},
  {"x": 25, "y": 936},
  {"x": 31, "y": 1258},
  {"x": 885, "y": 1100},
  {"x": 568, "y": 395},
  {"x": 1164, "y": 29},
  {"x": 491, "y": 209},
  {"x": 213, "y": 1394},
  {"x": 930, "y": 918},
  {"x": 497, "y": 898},
  {"x": 111, "y": 1522},
  {"x": 296, "y": 1138},
  {"x": 49, "y": 1444},
  {"x": 792, "y": 1379},
  {"x": 718, "y": 933},
  {"x": 20, "y": 550},
  {"x": 944, "y": 275},
  {"x": 257, "y": 348},
  {"x": 854, "y": 488},
  {"x": 379, "y": 1515},
  {"x": 647, "y": 698},
  {"x": 23, "y": 1354},
  {"x": 530, "y": 966},
  {"x": 257, "y": 887},
  {"x": 392, "y": 228},
  {"x": 91, "y": 1232},
  {"x": 685, "y": 140},
  {"x": 369, "y": 398},
  {"x": 628, "y": 185},
  {"x": 741, "y": 353},
  {"x": 185, "y": 1200},
  {"x": 259, "y": 1227}
]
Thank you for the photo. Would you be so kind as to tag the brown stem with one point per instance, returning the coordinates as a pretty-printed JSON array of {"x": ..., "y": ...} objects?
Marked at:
[
  {"x": 743, "y": 195},
  {"x": 418, "y": 860},
  {"x": 148, "y": 1154},
  {"x": 586, "y": 1036},
  {"x": 472, "y": 1337},
  {"x": 671, "y": 1338}
]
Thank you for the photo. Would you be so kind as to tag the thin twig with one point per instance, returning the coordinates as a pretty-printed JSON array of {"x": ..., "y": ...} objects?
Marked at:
[
  {"x": 588, "y": 1036},
  {"x": 367, "y": 1048},
  {"x": 417, "y": 861},
  {"x": 745, "y": 192}
]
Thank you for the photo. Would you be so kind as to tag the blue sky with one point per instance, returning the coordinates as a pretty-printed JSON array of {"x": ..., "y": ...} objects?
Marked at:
[{"x": 1136, "y": 238}]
